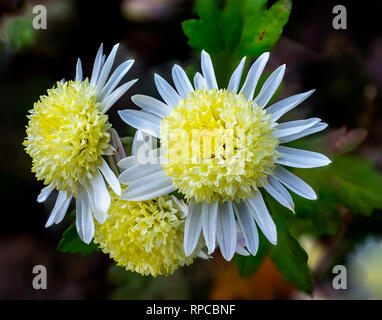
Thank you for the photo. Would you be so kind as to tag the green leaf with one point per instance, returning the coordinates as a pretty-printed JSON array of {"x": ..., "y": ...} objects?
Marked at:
[
  {"x": 205, "y": 33},
  {"x": 262, "y": 28},
  {"x": 71, "y": 243},
  {"x": 319, "y": 216},
  {"x": 350, "y": 181},
  {"x": 247, "y": 265},
  {"x": 357, "y": 184},
  {"x": 20, "y": 33},
  {"x": 289, "y": 257},
  {"x": 236, "y": 28}
]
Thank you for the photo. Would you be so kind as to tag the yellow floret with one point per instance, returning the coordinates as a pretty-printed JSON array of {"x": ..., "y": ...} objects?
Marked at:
[
  {"x": 218, "y": 146},
  {"x": 66, "y": 135},
  {"x": 144, "y": 236}
]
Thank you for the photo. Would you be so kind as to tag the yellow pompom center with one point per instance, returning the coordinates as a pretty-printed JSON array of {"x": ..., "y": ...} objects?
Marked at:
[
  {"x": 144, "y": 236},
  {"x": 66, "y": 135},
  {"x": 218, "y": 146}
]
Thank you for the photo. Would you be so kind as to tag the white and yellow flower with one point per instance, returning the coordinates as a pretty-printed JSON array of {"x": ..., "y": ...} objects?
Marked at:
[
  {"x": 144, "y": 236},
  {"x": 222, "y": 176},
  {"x": 68, "y": 134}
]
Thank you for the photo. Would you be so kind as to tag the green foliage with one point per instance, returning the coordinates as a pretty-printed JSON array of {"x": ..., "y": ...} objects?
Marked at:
[
  {"x": 357, "y": 184},
  {"x": 235, "y": 28},
  {"x": 291, "y": 260},
  {"x": 20, "y": 33},
  {"x": 71, "y": 243},
  {"x": 262, "y": 28},
  {"x": 289, "y": 257},
  {"x": 349, "y": 181}
]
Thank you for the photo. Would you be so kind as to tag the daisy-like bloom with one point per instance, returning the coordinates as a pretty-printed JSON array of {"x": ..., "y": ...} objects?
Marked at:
[
  {"x": 145, "y": 236},
  {"x": 68, "y": 134},
  {"x": 239, "y": 155}
]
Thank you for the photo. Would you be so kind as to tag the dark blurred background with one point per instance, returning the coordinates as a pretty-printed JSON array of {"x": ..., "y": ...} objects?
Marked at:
[{"x": 344, "y": 65}]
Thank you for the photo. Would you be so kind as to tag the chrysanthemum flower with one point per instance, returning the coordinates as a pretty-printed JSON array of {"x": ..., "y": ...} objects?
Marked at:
[
  {"x": 239, "y": 155},
  {"x": 145, "y": 236},
  {"x": 68, "y": 134}
]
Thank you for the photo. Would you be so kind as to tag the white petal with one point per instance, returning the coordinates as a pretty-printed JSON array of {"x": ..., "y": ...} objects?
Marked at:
[
  {"x": 253, "y": 76},
  {"x": 240, "y": 243},
  {"x": 203, "y": 255},
  {"x": 270, "y": 86},
  {"x": 151, "y": 105},
  {"x": 84, "y": 219},
  {"x": 168, "y": 93},
  {"x": 102, "y": 62},
  {"x": 316, "y": 128},
  {"x": 301, "y": 158},
  {"x": 138, "y": 171},
  {"x": 115, "y": 78},
  {"x": 279, "y": 193},
  {"x": 192, "y": 227},
  {"x": 62, "y": 212},
  {"x": 115, "y": 141},
  {"x": 209, "y": 216},
  {"x": 181, "y": 81},
  {"x": 142, "y": 120},
  {"x": 112, "y": 98},
  {"x": 142, "y": 140},
  {"x": 263, "y": 218},
  {"x": 234, "y": 82},
  {"x": 97, "y": 65},
  {"x": 79, "y": 70},
  {"x": 181, "y": 206},
  {"x": 106, "y": 69},
  {"x": 59, "y": 210},
  {"x": 110, "y": 177},
  {"x": 294, "y": 183},
  {"x": 44, "y": 194},
  {"x": 99, "y": 197},
  {"x": 208, "y": 71},
  {"x": 138, "y": 141},
  {"x": 241, "y": 250},
  {"x": 248, "y": 227},
  {"x": 226, "y": 230},
  {"x": 87, "y": 226},
  {"x": 79, "y": 216},
  {"x": 278, "y": 109},
  {"x": 199, "y": 81},
  {"x": 148, "y": 187},
  {"x": 127, "y": 162},
  {"x": 293, "y": 127}
]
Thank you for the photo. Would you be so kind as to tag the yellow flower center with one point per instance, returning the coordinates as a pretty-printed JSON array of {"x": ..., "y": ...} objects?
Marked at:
[
  {"x": 66, "y": 135},
  {"x": 144, "y": 236},
  {"x": 218, "y": 146}
]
